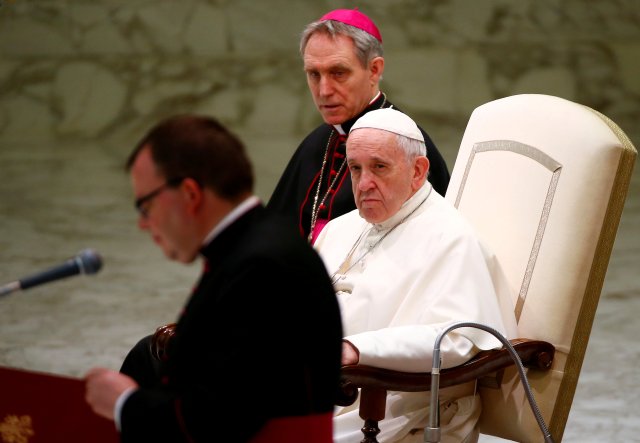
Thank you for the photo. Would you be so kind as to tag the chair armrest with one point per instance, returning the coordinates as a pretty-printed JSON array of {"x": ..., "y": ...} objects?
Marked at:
[{"x": 533, "y": 353}]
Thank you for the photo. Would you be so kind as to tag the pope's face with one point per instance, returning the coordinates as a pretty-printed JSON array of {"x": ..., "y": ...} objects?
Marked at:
[
  {"x": 382, "y": 176},
  {"x": 341, "y": 87}
]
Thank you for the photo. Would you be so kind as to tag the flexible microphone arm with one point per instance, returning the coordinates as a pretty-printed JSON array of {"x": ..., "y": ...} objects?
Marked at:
[{"x": 432, "y": 431}]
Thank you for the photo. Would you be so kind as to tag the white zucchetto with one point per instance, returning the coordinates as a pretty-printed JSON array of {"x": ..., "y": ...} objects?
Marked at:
[{"x": 391, "y": 120}]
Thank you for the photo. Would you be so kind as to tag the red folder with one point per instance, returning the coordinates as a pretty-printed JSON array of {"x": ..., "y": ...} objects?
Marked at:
[
  {"x": 37, "y": 407},
  {"x": 316, "y": 428}
]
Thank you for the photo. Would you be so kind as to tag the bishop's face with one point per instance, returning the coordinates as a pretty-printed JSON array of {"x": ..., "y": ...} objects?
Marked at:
[
  {"x": 341, "y": 87},
  {"x": 382, "y": 176}
]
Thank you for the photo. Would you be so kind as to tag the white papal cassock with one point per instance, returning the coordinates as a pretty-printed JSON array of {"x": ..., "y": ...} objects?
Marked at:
[{"x": 399, "y": 283}]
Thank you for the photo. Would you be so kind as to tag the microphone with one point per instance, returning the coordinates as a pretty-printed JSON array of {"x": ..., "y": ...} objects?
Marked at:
[{"x": 87, "y": 261}]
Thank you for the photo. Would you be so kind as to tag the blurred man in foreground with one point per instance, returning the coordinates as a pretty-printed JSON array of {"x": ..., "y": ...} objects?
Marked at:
[{"x": 246, "y": 354}]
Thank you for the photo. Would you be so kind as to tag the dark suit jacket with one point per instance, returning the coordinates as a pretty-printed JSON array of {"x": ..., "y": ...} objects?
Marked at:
[{"x": 259, "y": 338}]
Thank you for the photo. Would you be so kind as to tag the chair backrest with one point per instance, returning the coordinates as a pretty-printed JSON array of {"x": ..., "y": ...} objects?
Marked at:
[{"x": 544, "y": 182}]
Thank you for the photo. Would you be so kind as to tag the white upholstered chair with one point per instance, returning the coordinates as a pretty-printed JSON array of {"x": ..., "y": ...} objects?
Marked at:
[{"x": 544, "y": 181}]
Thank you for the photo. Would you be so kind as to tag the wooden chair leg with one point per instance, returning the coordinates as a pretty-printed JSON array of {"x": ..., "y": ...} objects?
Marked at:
[
  {"x": 372, "y": 407},
  {"x": 370, "y": 430}
]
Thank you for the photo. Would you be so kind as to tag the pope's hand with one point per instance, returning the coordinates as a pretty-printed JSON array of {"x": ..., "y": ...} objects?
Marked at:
[{"x": 350, "y": 354}]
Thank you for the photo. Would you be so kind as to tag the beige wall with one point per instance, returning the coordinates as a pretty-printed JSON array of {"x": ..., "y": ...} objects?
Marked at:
[{"x": 103, "y": 71}]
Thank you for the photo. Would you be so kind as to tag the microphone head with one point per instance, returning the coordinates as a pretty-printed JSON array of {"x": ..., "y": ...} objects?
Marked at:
[{"x": 89, "y": 261}]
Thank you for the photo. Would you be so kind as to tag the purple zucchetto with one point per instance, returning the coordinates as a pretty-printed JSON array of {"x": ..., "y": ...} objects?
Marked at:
[{"x": 354, "y": 18}]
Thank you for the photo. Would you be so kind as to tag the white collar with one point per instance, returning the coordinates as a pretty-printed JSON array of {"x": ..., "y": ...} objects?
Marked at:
[
  {"x": 232, "y": 216},
  {"x": 407, "y": 208}
]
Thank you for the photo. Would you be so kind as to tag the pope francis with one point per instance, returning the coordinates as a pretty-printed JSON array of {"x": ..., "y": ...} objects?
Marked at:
[{"x": 405, "y": 265}]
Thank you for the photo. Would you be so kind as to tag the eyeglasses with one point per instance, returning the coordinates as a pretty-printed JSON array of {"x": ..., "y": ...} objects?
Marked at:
[{"x": 142, "y": 203}]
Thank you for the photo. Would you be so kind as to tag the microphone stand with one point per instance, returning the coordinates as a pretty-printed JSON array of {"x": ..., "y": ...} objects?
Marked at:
[{"x": 432, "y": 431}]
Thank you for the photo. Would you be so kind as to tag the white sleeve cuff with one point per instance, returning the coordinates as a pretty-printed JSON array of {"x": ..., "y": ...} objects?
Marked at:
[{"x": 117, "y": 408}]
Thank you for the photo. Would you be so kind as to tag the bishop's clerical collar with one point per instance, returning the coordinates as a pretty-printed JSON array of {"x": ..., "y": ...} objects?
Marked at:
[{"x": 379, "y": 101}]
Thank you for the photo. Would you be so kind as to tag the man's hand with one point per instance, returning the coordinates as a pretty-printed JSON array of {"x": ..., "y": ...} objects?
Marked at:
[
  {"x": 103, "y": 387},
  {"x": 350, "y": 354}
]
